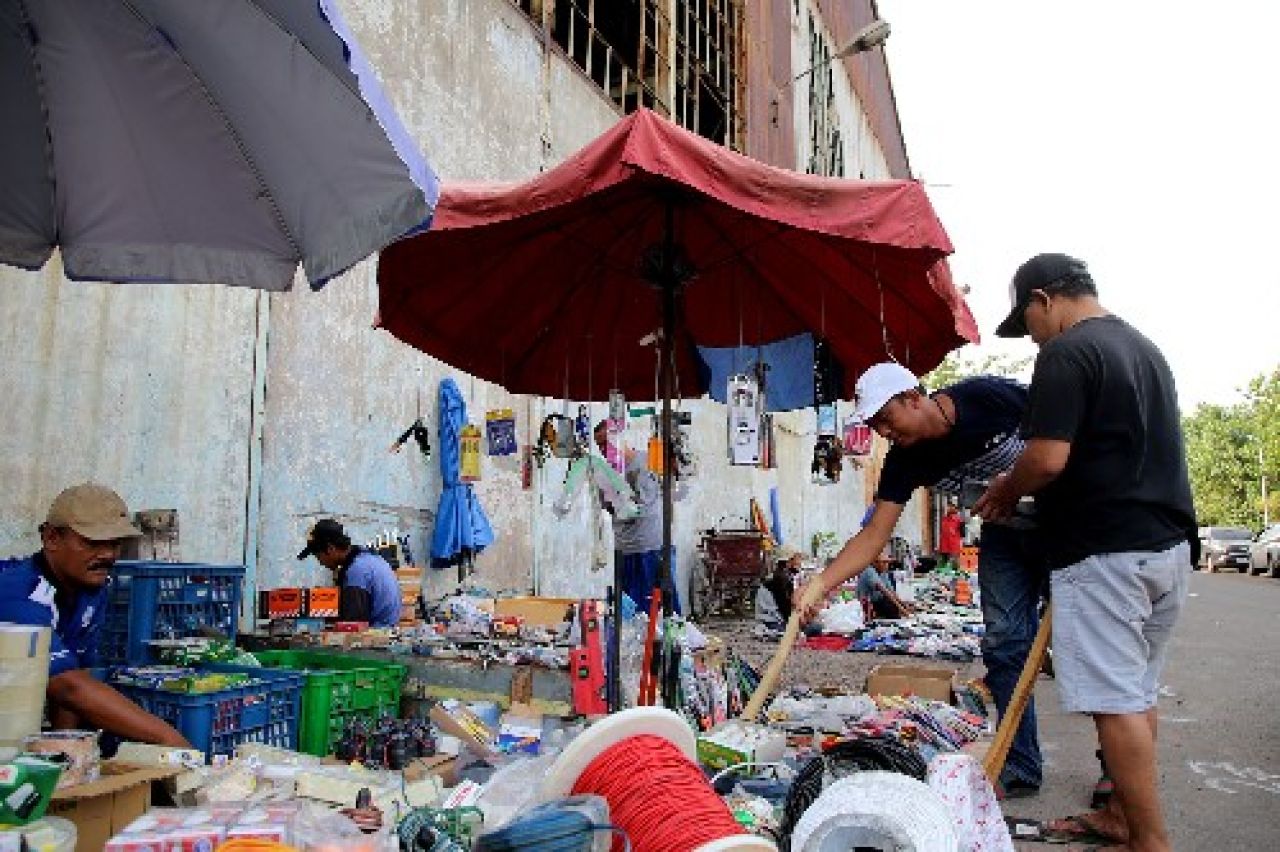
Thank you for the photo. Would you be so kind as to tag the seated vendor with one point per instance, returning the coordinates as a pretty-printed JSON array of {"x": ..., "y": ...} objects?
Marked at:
[
  {"x": 773, "y": 598},
  {"x": 369, "y": 589},
  {"x": 876, "y": 590},
  {"x": 65, "y": 586}
]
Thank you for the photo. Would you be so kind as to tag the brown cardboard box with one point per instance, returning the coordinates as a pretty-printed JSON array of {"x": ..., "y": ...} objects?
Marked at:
[
  {"x": 101, "y": 808},
  {"x": 537, "y": 612},
  {"x": 443, "y": 766},
  {"x": 932, "y": 682}
]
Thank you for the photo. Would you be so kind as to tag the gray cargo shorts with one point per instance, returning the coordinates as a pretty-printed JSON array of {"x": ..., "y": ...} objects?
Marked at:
[{"x": 1112, "y": 618}]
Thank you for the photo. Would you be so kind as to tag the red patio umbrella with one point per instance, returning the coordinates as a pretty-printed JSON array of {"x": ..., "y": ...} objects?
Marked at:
[{"x": 556, "y": 286}]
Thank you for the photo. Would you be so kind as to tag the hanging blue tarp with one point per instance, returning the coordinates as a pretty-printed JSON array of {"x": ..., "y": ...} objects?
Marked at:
[
  {"x": 462, "y": 528},
  {"x": 789, "y": 379}
]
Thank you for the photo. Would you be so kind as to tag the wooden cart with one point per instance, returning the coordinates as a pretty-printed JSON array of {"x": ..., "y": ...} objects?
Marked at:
[{"x": 731, "y": 565}]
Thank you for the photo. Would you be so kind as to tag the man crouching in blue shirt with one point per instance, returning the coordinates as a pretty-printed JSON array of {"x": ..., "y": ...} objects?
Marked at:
[
  {"x": 65, "y": 586},
  {"x": 369, "y": 589}
]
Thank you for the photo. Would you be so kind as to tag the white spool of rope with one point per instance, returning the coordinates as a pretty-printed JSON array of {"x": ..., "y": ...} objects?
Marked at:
[{"x": 876, "y": 810}]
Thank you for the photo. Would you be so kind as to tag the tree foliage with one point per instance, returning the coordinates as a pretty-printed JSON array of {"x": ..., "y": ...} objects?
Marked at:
[
  {"x": 956, "y": 367},
  {"x": 1229, "y": 451}
]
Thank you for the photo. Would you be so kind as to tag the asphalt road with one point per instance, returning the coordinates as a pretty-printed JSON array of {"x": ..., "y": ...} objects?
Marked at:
[{"x": 1219, "y": 725}]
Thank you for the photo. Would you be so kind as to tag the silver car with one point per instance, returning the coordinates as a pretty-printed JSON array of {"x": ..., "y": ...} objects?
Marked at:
[
  {"x": 1225, "y": 547},
  {"x": 1264, "y": 553}
]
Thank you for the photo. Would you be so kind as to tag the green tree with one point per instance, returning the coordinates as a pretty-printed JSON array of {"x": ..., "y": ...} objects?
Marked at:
[
  {"x": 956, "y": 367},
  {"x": 1229, "y": 451}
]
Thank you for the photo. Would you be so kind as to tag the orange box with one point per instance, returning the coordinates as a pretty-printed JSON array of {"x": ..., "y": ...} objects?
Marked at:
[
  {"x": 280, "y": 603},
  {"x": 322, "y": 602}
]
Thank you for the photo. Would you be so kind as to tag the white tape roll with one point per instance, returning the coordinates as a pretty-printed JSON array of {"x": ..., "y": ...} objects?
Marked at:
[{"x": 24, "y": 674}]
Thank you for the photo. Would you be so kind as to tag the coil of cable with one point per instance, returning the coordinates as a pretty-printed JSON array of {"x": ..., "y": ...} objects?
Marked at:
[
  {"x": 553, "y": 827},
  {"x": 845, "y": 758}
]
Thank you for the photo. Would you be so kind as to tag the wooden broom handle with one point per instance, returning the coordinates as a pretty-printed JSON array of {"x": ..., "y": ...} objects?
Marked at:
[
  {"x": 774, "y": 671},
  {"x": 993, "y": 763}
]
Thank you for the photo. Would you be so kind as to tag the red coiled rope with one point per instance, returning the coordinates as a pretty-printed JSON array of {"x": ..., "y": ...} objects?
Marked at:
[{"x": 657, "y": 796}]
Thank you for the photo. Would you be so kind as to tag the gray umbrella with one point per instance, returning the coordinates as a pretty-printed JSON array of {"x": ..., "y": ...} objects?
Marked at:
[{"x": 217, "y": 141}]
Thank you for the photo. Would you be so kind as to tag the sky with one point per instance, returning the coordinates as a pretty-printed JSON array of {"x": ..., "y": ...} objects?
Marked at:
[{"x": 1138, "y": 136}]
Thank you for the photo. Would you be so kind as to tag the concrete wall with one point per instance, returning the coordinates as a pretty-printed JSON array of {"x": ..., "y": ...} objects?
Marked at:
[{"x": 254, "y": 414}]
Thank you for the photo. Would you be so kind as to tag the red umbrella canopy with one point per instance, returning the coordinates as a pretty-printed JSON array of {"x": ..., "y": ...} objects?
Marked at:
[{"x": 545, "y": 286}]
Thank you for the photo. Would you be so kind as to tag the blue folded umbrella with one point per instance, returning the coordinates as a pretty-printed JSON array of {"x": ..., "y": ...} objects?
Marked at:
[{"x": 462, "y": 528}]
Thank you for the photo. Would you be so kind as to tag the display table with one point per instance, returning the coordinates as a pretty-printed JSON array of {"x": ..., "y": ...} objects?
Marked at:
[{"x": 433, "y": 678}]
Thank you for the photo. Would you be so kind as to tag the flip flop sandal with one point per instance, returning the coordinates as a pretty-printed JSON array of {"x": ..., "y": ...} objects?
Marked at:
[
  {"x": 1079, "y": 831},
  {"x": 1025, "y": 830},
  {"x": 1102, "y": 793}
]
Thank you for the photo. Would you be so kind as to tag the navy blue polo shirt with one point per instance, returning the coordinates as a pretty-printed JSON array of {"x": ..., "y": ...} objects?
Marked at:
[{"x": 29, "y": 596}]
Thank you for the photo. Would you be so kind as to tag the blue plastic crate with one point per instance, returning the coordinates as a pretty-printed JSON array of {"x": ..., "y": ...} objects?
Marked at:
[
  {"x": 266, "y": 711},
  {"x": 167, "y": 600}
]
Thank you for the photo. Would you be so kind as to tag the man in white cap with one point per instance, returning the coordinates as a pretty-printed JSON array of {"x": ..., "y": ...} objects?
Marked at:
[
  {"x": 64, "y": 586},
  {"x": 955, "y": 440},
  {"x": 1106, "y": 461}
]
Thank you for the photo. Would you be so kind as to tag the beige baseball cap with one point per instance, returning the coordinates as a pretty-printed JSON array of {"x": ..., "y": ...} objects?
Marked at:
[{"x": 94, "y": 511}]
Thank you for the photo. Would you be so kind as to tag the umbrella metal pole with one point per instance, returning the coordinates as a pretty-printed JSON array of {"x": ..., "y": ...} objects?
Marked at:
[{"x": 669, "y": 282}]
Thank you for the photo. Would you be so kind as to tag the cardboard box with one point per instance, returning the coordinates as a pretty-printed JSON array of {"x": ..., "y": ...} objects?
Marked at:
[
  {"x": 537, "y": 612},
  {"x": 933, "y": 682},
  {"x": 734, "y": 742},
  {"x": 280, "y": 603},
  {"x": 26, "y": 787},
  {"x": 442, "y": 766},
  {"x": 101, "y": 808},
  {"x": 322, "y": 602}
]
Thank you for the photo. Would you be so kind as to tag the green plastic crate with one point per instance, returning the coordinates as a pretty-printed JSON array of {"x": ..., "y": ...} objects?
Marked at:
[{"x": 337, "y": 689}]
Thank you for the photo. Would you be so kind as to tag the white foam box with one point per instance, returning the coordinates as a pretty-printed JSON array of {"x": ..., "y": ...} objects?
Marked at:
[{"x": 735, "y": 741}]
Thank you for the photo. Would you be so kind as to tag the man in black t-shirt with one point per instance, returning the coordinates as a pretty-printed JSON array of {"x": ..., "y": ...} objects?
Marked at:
[
  {"x": 1105, "y": 459},
  {"x": 960, "y": 436}
]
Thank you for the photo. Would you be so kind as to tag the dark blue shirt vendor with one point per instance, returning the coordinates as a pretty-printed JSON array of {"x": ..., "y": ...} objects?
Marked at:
[
  {"x": 369, "y": 588},
  {"x": 955, "y": 440},
  {"x": 65, "y": 586}
]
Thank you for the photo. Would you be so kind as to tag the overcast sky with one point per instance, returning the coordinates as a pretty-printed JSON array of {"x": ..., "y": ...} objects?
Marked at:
[{"x": 1138, "y": 136}]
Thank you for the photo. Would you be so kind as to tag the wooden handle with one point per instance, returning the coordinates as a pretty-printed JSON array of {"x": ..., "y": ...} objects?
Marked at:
[
  {"x": 993, "y": 763},
  {"x": 774, "y": 670}
]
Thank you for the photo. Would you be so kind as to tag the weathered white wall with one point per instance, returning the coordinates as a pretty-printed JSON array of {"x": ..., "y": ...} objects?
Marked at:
[
  {"x": 142, "y": 387},
  {"x": 862, "y": 154},
  {"x": 150, "y": 389}
]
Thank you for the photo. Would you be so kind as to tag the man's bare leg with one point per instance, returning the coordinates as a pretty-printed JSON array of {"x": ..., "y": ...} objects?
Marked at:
[{"x": 1129, "y": 745}]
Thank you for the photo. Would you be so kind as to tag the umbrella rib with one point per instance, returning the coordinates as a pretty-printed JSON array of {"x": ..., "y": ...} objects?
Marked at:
[
  {"x": 584, "y": 277},
  {"x": 44, "y": 108},
  {"x": 739, "y": 251},
  {"x": 494, "y": 259},
  {"x": 263, "y": 188}
]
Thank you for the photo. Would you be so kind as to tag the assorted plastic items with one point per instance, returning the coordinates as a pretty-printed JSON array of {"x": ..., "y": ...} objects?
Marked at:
[
  {"x": 77, "y": 752},
  {"x": 296, "y": 825}
]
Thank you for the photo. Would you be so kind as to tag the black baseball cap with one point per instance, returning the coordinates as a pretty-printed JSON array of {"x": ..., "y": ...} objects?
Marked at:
[
  {"x": 1039, "y": 273},
  {"x": 323, "y": 533}
]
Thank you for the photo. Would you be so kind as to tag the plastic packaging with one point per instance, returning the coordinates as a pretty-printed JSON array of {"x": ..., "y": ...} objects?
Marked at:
[
  {"x": 513, "y": 788},
  {"x": 50, "y": 834},
  {"x": 77, "y": 751}
]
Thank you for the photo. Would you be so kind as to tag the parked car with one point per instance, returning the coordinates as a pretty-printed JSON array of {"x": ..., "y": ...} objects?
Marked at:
[
  {"x": 1225, "y": 547},
  {"x": 1264, "y": 553}
]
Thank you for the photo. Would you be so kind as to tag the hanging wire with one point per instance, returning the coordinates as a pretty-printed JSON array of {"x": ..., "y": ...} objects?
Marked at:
[{"x": 884, "y": 327}]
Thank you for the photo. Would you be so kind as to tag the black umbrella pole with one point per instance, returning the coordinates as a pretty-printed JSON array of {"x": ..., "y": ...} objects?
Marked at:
[{"x": 666, "y": 580}]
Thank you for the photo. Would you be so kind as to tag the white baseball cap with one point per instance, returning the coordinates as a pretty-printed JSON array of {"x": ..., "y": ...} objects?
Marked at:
[{"x": 878, "y": 385}]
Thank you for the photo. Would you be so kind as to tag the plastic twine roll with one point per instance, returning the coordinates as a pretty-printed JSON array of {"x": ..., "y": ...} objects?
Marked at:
[{"x": 657, "y": 796}]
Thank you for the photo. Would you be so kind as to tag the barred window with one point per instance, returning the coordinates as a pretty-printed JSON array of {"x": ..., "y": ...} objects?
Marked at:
[{"x": 688, "y": 66}]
